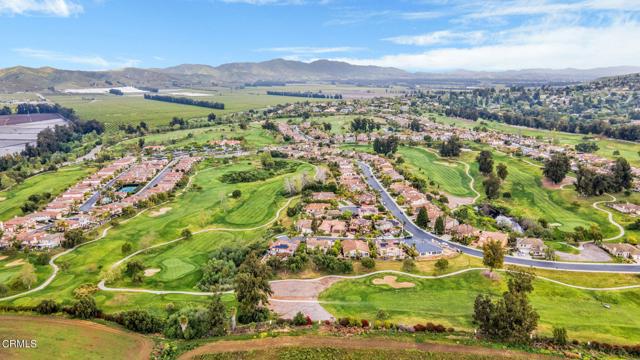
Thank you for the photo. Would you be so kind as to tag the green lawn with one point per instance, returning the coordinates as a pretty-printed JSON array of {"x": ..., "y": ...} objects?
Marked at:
[
  {"x": 529, "y": 198},
  {"x": 449, "y": 176},
  {"x": 450, "y": 301},
  {"x": 52, "y": 182},
  {"x": 209, "y": 207},
  {"x": 59, "y": 338}
]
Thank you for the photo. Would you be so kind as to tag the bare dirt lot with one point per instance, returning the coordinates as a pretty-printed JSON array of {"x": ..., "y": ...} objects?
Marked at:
[
  {"x": 351, "y": 343},
  {"x": 291, "y": 296}
]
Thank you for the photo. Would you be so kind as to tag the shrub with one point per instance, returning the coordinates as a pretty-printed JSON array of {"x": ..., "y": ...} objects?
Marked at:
[
  {"x": 560, "y": 336},
  {"x": 382, "y": 315},
  {"x": 140, "y": 321},
  {"x": 299, "y": 319},
  {"x": 84, "y": 308},
  {"x": 47, "y": 307},
  {"x": 368, "y": 263},
  {"x": 419, "y": 328}
]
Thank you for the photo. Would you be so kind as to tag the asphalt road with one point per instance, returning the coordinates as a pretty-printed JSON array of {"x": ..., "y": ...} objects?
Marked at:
[{"x": 420, "y": 234}]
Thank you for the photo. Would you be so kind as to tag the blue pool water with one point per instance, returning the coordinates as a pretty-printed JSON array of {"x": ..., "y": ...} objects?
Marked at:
[{"x": 128, "y": 188}]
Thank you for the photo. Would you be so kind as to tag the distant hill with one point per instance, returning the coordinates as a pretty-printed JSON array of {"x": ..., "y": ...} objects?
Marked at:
[{"x": 22, "y": 78}]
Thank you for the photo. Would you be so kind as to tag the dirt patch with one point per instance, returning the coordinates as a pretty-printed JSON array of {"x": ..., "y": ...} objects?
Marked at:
[
  {"x": 291, "y": 296},
  {"x": 491, "y": 275},
  {"x": 393, "y": 282},
  {"x": 159, "y": 212},
  {"x": 548, "y": 184},
  {"x": 143, "y": 350},
  {"x": 352, "y": 343},
  {"x": 151, "y": 272},
  {"x": 15, "y": 263},
  {"x": 455, "y": 201}
]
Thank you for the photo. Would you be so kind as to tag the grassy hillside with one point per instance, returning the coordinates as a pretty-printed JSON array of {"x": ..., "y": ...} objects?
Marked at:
[{"x": 52, "y": 182}]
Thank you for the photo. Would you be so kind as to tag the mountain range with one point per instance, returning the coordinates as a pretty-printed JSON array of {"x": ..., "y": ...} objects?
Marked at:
[{"x": 20, "y": 78}]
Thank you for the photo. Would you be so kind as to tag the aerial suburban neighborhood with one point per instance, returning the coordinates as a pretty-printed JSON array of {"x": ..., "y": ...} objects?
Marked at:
[{"x": 288, "y": 179}]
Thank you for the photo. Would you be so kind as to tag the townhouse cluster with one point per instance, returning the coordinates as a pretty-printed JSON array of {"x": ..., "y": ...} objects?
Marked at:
[{"x": 79, "y": 207}]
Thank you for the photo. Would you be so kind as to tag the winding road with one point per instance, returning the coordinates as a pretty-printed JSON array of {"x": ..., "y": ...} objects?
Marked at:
[{"x": 420, "y": 234}]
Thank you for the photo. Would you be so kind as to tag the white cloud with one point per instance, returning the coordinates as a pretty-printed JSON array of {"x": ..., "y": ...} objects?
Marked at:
[
  {"x": 311, "y": 50},
  {"x": 92, "y": 61},
  {"x": 543, "y": 7},
  {"x": 420, "y": 15},
  {"x": 438, "y": 37},
  {"x": 571, "y": 46},
  {"x": 61, "y": 8}
]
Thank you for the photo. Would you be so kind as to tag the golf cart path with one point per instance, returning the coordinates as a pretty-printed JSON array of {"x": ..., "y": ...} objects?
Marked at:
[{"x": 610, "y": 216}]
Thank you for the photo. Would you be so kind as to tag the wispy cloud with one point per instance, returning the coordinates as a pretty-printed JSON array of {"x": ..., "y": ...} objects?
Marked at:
[
  {"x": 92, "y": 61},
  {"x": 61, "y": 8},
  {"x": 420, "y": 15},
  {"x": 544, "y": 7},
  {"x": 438, "y": 37},
  {"x": 576, "y": 46}
]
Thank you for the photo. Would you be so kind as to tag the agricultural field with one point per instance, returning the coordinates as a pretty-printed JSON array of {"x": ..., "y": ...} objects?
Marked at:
[
  {"x": 51, "y": 182},
  {"x": 132, "y": 109},
  {"x": 71, "y": 339},
  {"x": 201, "y": 211},
  {"x": 450, "y": 301}
]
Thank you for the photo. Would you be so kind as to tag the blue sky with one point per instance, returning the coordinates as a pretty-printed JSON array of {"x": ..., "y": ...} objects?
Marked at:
[{"x": 416, "y": 35}]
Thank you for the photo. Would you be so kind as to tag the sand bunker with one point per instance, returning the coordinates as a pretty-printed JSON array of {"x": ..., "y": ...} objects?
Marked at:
[
  {"x": 392, "y": 281},
  {"x": 445, "y": 163},
  {"x": 15, "y": 263},
  {"x": 151, "y": 272},
  {"x": 159, "y": 212}
]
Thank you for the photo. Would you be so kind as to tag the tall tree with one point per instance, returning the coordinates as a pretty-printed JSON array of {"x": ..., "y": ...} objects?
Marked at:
[
  {"x": 485, "y": 162},
  {"x": 422, "y": 219},
  {"x": 451, "y": 147},
  {"x": 252, "y": 290},
  {"x": 502, "y": 171},
  {"x": 622, "y": 176},
  {"x": 557, "y": 167},
  {"x": 493, "y": 254},
  {"x": 491, "y": 186},
  {"x": 438, "y": 228}
]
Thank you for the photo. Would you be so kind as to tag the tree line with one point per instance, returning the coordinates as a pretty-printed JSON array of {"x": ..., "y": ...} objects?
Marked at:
[
  {"x": 185, "y": 101},
  {"x": 307, "y": 94}
]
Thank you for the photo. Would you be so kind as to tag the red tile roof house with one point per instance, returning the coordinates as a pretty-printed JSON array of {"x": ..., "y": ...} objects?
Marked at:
[
  {"x": 355, "y": 248},
  {"x": 333, "y": 227},
  {"x": 323, "y": 196},
  {"x": 304, "y": 226},
  {"x": 316, "y": 209},
  {"x": 484, "y": 237},
  {"x": 388, "y": 249},
  {"x": 283, "y": 247},
  {"x": 627, "y": 251},
  {"x": 322, "y": 245}
]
